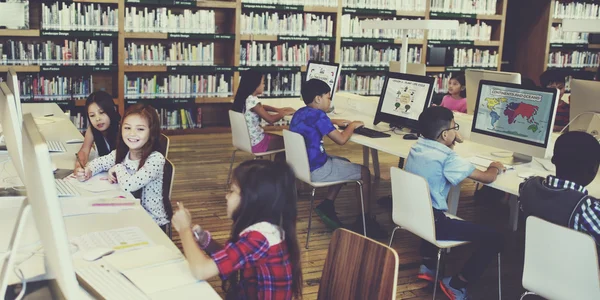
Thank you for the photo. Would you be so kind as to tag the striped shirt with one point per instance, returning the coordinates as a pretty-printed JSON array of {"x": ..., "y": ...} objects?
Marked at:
[{"x": 587, "y": 215}]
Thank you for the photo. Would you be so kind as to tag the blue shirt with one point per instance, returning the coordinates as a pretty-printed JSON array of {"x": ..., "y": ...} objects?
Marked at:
[
  {"x": 312, "y": 124},
  {"x": 440, "y": 166}
]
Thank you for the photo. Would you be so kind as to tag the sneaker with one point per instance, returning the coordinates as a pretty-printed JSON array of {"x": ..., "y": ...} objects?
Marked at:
[
  {"x": 326, "y": 211},
  {"x": 426, "y": 274},
  {"x": 451, "y": 292},
  {"x": 374, "y": 229}
]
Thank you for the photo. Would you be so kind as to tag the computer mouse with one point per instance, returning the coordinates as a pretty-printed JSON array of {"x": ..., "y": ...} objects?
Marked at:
[
  {"x": 74, "y": 141},
  {"x": 96, "y": 253},
  {"x": 410, "y": 136}
]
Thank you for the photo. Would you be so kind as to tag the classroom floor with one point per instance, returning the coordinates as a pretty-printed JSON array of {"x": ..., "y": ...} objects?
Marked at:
[{"x": 201, "y": 166}]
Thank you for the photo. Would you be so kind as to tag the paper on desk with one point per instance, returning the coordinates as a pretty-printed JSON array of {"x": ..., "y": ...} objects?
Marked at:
[
  {"x": 75, "y": 206},
  {"x": 144, "y": 257},
  {"x": 161, "y": 277},
  {"x": 46, "y": 120},
  {"x": 96, "y": 184},
  {"x": 121, "y": 240}
]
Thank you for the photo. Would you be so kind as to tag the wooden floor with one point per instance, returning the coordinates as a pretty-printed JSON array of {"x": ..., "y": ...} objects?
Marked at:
[{"x": 201, "y": 166}]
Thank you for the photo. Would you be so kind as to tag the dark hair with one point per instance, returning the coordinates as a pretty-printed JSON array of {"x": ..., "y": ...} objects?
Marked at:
[
  {"x": 105, "y": 101},
  {"x": 248, "y": 84},
  {"x": 577, "y": 157},
  {"x": 433, "y": 120},
  {"x": 528, "y": 82},
  {"x": 268, "y": 194},
  {"x": 461, "y": 79},
  {"x": 312, "y": 89},
  {"x": 552, "y": 76},
  {"x": 153, "y": 144}
]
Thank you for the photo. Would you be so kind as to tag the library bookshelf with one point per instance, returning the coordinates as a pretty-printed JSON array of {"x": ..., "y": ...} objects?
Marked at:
[{"x": 228, "y": 45}]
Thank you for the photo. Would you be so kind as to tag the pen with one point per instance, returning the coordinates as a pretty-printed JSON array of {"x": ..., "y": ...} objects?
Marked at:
[
  {"x": 79, "y": 161},
  {"x": 49, "y": 115}
]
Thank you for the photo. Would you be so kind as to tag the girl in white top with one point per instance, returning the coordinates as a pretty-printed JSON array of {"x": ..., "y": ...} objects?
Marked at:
[
  {"x": 136, "y": 164},
  {"x": 246, "y": 101}
]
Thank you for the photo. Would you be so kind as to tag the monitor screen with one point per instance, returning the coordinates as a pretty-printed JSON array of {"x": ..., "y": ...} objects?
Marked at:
[
  {"x": 324, "y": 71},
  {"x": 403, "y": 98},
  {"x": 509, "y": 111}
]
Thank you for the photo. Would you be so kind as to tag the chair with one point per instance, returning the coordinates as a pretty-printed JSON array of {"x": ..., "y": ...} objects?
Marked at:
[
  {"x": 168, "y": 178},
  {"x": 164, "y": 145},
  {"x": 372, "y": 273},
  {"x": 297, "y": 158},
  {"x": 560, "y": 263},
  {"x": 241, "y": 139},
  {"x": 413, "y": 211}
]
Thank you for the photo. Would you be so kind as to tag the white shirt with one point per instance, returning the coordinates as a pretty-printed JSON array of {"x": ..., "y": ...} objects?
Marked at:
[
  {"x": 257, "y": 134},
  {"x": 149, "y": 178}
]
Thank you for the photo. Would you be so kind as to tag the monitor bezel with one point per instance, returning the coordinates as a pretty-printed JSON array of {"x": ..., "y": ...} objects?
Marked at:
[
  {"x": 337, "y": 74},
  {"x": 554, "y": 93}
]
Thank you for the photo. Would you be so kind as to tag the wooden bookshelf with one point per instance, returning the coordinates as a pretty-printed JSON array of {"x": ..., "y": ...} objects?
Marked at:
[
  {"x": 17, "y": 32},
  {"x": 20, "y": 69},
  {"x": 214, "y": 100},
  {"x": 146, "y": 35},
  {"x": 217, "y": 4}
]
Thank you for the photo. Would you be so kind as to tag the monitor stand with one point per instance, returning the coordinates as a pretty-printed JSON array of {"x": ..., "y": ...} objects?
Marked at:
[
  {"x": 13, "y": 246},
  {"x": 412, "y": 130},
  {"x": 510, "y": 158}
]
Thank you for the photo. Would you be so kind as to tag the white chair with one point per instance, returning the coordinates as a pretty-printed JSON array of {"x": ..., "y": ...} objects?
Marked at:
[
  {"x": 560, "y": 263},
  {"x": 241, "y": 139},
  {"x": 412, "y": 210},
  {"x": 297, "y": 158}
]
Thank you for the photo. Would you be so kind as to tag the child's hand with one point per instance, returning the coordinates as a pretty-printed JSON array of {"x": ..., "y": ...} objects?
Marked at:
[
  {"x": 181, "y": 218},
  {"x": 287, "y": 111},
  {"x": 112, "y": 174},
  {"x": 357, "y": 124},
  {"x": 83, "y": 174},
  {"x": 499, "y": 166}
]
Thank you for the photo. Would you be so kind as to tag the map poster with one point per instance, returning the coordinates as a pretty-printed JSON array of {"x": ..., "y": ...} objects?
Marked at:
[
  {"x": 515, "y": 113},
  {"x": 405, "y": 98},
  {"x": 323, "y": 72}
]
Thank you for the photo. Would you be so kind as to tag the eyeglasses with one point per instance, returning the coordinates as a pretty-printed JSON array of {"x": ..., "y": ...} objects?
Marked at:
[{"x": 456, "y": 127}]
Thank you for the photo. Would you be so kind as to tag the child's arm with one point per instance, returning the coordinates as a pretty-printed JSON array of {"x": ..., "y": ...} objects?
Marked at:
[
  {"x": 342, "y": 138},
  {"x": 150, "y": 171},
  {"x": 84, "y": 151},
  {"x": 489, "y": 175}
]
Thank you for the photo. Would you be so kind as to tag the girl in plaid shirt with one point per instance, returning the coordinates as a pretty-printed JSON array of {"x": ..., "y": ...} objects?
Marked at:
[{"x": 261, "y": 260}]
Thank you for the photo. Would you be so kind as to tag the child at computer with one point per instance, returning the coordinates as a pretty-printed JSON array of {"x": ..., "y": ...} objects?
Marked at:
[
  {"x": 313, "y": 123},
  {"x": 246, "y": 101},
  {"x": 136, "y": 164},
  {"x": 104, "y": 118},
  {"x": 434, "y": 159},
  {"x": 456, "y": 100},
  {"x": 563, "y": 199},
  {"x": 556, "y": 79},
  {"x": 261, "y": 259}
]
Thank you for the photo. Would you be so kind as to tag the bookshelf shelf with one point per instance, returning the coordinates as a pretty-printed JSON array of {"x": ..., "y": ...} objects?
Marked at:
[
  {"x": 382, "y": 12},
  {"x": 78, "y": 68},
  {"x": 213, "y": 100},
  {"x": 569, "y": 46},
  {"x": 285, "y": 38},
  {"x": 321, "y": 9},
  {"x": 435, "y": 69},
  {"x": 130, "y": 68},
  {"x": 19, "y": 32},
  {"x": 364, "y": 69},
  {"x": 24, "y": 69},
  {"x": 78, "y": 33},
  {"x": 487, "y": 43},
  {"x": 594, "y": 46},
  {"x": 217, "y": 4},
  {"x": 146, "y": 35},
  {"x": 346, "y": 40},
  {"x": 98, "y": 1},
  {"x": 274, "y": 68}
]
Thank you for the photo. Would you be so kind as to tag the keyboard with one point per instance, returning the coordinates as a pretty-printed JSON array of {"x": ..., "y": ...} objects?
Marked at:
[
  {"x": 368, "y": 132},
  {"x": 485, "y": 162},
  {"x": 65, "y": 188},
  {"x": 56, "y": 146},
  {"x": 108, "y": 283}
]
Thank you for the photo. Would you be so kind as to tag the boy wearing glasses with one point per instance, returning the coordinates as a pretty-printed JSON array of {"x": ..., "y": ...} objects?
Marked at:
[{"x": 432, "y": 158}]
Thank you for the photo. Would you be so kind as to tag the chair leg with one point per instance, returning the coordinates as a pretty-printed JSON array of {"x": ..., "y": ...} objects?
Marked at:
[
  {"x": 437, "y": 272},
  {"x": 526, "y": 294},
  {"x": 362, "y": 206},
  {"x": 230, "y": 168},
  {"x": 392, "y": 237},
  {"x": 312, "y": 200},
  {"x": 499, "y": 278}
]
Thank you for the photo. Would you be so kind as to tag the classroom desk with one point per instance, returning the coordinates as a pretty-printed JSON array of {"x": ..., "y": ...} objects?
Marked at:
[
  {"x": 353, "y": 107},
  {"x": 62, "y": 129}
]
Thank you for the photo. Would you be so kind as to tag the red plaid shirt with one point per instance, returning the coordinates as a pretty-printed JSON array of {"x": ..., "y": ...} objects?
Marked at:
[{"x": 261, "y": 255}]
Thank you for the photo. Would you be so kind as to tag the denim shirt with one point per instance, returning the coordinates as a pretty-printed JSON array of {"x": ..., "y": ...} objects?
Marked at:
[{"x": 440, "y": 166}]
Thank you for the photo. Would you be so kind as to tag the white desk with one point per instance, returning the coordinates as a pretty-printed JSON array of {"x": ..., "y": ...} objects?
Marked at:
[{"x": 62, "y": 130}]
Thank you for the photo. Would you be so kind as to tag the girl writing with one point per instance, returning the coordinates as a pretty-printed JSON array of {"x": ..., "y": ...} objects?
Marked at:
[{"x": 456, "y": 100}]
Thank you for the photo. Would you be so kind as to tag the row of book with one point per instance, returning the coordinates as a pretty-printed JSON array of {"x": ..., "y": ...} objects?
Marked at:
[
  {"x": 483, "y": 7},
  {"x": 576, "y": 10},
  {"x": 369, "y": 56},
  {"x": 78, "y": 119},
  {"x": 284, "y": 54},
  {"x": 328, "y": 3},
  {"x": 470, "y": 57},
  {"x": 181, "y": 118},
  {"x": 574, "y": 59},
  {"x": 172, "y": 54},
  {"x": 163, "y": 19},
  {"x": 403, "y": 5},
  {"x": 361, "y": 84},
  {"x": 43, "y": 88},
  {"x": 179, "y": 86},
  {"x": 75, "y": 52},
  {"x": 352, "y": 26},
  {"x": 282, "y": 84},
  {"x": 79, "y": 16},
  {"x": 296, "y": 24},
  {"x": 480, "y": 31},
  {"x": 557, "y": 35},
  {"x": 440, "y": 85}
]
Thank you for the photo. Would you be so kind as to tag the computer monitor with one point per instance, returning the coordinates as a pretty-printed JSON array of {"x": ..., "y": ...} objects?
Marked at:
[
  {"x": 414, "y": 69},
  {"x": 325, "y": 71},
  {"x": 473, "y": 76},
  {"x": 514, "y": 118},
  {"x": 11, "y": 128},
  {"x": 13, "y": 84},
  {"x": 584, "y": 99},
  {"x": 403, "y": 98}
]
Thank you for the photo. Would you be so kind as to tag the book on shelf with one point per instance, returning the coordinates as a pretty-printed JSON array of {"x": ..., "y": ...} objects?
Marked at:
[
  {"x": 470, "y": 57},
  {"x": 69, "y": 52},
  {"x": 352, "y": 27},
  {"x": 55, "y": 88},
  {"x": 557, "y": 35},
  {"x": 282, "y": 54},
  {"x": 178, "y": 86},
  {"x": 172, "y": 54},
  {"x": 327, "y": 3},
  {"x": 576, "y": 10},
  {"x": 163, "y": 19},
  {"x": 369, "y": 56},
  {"x": 573, "y": 59},
  {"x": 79, "y": 16},
  {"x": 281, "y": 23},
  {"x": 402, "y": 5},
  {"x": 362, "y": 85},
  {"x": 78, "y": 119},
  {"x": 466, "y": 32},
  {"x": 482, "y": 7},
  {"x": 178, "y": 118}
]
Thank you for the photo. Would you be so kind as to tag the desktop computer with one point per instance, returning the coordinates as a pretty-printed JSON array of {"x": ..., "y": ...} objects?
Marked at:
[
  {"x": 13, "y": 84},
  {"x": 585, "y": 107},
  {"x": 517, "y": 119},
  {"x": 473, "y": 76},
  {"x": 9, "y": 119}
]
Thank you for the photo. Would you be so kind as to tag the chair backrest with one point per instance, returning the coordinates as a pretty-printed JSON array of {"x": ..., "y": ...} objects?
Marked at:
[
  {"x": 239, "y": 131},
  {"x": 168, "y": 178},
  {"x": 296, "y": 156},
  {"x": 164, "y": 145},
  {"x": 357, "y": 267},
  {"x": 560, "y": 263},
  {"x": 411, "y": 204}
]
